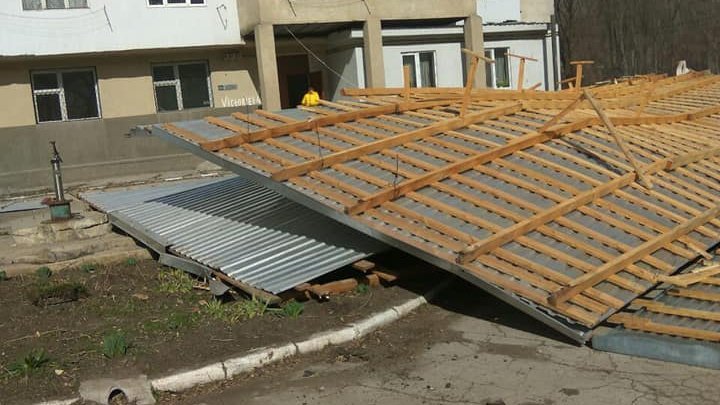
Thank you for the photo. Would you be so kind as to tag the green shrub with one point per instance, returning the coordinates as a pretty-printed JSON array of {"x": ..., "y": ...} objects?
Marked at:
[
  {"x": 180, "y": 320},
  {"x": 3, "y": 275},
  {"x": 115, "y": 345},
  {"x": 30, "y": 363},
  {"x": 174, "y": 281},
  {"x": 131, "y": 261}
]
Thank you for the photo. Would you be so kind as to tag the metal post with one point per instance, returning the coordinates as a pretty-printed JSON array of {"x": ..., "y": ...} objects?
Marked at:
[{"x": 57, "y": 173}]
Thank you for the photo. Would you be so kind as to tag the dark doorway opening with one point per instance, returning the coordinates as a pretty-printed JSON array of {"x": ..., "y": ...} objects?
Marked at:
[{"x": 295, "y": 77}]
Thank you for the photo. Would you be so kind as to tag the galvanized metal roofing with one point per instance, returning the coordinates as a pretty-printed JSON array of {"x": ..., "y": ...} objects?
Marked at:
[
  {"x": 549, "y": 219},
  {"x": 240, "y": 228}
]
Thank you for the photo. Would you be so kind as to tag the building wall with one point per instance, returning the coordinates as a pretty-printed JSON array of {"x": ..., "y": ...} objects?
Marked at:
[
  {"x": 534, "y": 71},
  {"x": 536, "y": 10},
  {"x": 98, "y": 148},
  {"x": 496, "y": 11},
  {"x": 116, "y": 26},
  {"x": 448, "y": 63}
]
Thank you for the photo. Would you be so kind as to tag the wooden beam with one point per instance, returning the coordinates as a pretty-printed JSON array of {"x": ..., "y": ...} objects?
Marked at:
[
  {"x": 694, "y": 294},
  {"x": 662, "y": 308},
  {"x": 469, "y": 85},
  {"x": 634, "y": 322},
  {"x": 618, "y": 139},
  {"x": 472, "y": 252},
  {"x": 630, "y": 257},
  {"x": 406, "y": 82},
  {"x": 233, "y": 141},
  {"x": 390, "y": 142},
  {"x": 693, "y": 277},
  {"x": 570, "y": 108}
]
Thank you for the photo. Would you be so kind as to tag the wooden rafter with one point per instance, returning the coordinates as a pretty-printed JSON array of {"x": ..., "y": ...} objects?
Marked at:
[
  {"x": 286, "y": 129},
  {"x": 376, "y": 146},
  {"x": 612, "y": 267}
]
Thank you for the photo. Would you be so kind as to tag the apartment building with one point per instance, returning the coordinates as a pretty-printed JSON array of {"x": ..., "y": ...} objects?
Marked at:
[{"x": 85, "y": 72}]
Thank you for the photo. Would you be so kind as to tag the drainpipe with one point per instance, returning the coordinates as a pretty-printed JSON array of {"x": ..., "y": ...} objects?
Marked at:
[{"x": 555, "y": 52}]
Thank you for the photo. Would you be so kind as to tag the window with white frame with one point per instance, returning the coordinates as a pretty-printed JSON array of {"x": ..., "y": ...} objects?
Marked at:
[
  {"x": 53, "y": 4},
  {"x": 498, "y": 74},
  {"x": 422, "y": 68},
  {"x": 179, "y": 86},
  {"x": 65, "y": 95},
  {"x": 171, "y": 3}
]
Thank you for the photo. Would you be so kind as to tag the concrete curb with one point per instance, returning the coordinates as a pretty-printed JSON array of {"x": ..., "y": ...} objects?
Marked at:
[{"x": 257, "y": 358}]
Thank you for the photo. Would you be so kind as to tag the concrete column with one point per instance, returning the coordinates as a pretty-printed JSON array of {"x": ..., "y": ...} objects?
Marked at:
[
  {"x": 474, "y": 41},
  {"x": 373, "y": 55},
  {"x": 267, "y": 66}
]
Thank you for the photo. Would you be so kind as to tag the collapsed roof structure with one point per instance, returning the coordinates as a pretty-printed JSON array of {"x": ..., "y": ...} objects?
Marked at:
[{"x": 568, "y": 205}]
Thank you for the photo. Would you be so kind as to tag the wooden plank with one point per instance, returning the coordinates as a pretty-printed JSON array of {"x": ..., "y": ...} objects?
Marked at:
[
  {"x": 694, "y": 294},
  {"x": 631, "y": 256},
  {"x": 521, "y": 228},
  {"x": 406, "y": 82},
  {"x": 661, "y": 308},
  {"x": 693, "y": 277},
  {"x": 348, "y": 116},
  {"x": 275, "y": 117},
  {"x": 470, "y": 82},
  {"x": 570, "y": 108},
  {"x": 618, "y": 139},
  {"x": 184, "y": 133},
  {"x": 390, "y": 142},
  {"x": 646, "y": 325}
]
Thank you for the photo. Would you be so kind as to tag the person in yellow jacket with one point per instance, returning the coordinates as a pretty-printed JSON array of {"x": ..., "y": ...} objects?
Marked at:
[{"x": 311, "y": 98}]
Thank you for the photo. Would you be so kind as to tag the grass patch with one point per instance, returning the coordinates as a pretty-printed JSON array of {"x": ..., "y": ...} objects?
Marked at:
[
  {"x": 3, "y": 275},
  {"x": 45, "y": 293},
  {"x": 236, "y": 311},
  {"x": 33, "y": 361},
  {"x": 292, "y": 309},
  {"x": 180, "y": 320},
  {"x": 43, "y": 274},
  {"x": 131, "y": 261},
  {"x": 115, "y": 345},
  {"x": 174, "y": 281}
]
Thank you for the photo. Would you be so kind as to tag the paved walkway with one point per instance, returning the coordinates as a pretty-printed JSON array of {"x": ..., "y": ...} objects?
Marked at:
[{"x": 469, "y": 351}]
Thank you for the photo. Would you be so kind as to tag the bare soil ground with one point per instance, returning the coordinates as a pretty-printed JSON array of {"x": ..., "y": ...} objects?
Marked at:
[{"x": 49, "y": 346}]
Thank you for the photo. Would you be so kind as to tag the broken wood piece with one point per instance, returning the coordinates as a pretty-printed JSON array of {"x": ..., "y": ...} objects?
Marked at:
[
  {"x": 521, "y": 68},
  {"x": 579, "y": 71},
  {"x": 693, "y": 277},
  {"x": 618, "y": 139},
  {"x": 363, "y": 265}
]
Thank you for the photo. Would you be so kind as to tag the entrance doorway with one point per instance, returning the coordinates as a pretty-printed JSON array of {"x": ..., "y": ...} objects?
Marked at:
[{"x": 295, "y": 77}]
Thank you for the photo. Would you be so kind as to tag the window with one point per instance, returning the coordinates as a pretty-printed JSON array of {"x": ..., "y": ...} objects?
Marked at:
[
  {"x": 65, "y": 95},
  {"x": 422, "y": 68},
  {"x": 181, "y": 86},
  {"x": 498, "y": 74},
  {"x": 171, "y": 3},
  {"x": 53, "y": 4}
]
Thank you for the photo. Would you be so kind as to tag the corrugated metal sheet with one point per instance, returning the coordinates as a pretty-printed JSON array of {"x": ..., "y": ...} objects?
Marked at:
[{"x": 244, "y": 230}]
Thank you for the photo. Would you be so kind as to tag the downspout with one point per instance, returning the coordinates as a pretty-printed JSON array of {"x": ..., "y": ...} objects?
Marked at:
[{"x": 556, "y": 55}]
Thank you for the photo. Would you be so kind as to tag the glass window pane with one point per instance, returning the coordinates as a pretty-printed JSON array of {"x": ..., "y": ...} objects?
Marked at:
[
  {"x": 77, "y": 3},
  {"x": 194, "y": 85},
  {"x": 502, "y": 71},
  {"x": 489, "y": 70},
  {"x": 177, "y": 1},
  {"x": 162, "y": 73},
  {"x": 427, "y": 69},
  {"x": 156, "y": 2},
  {"x": 197, "y": 1},
  {"x": 44, "y": 81},
  {"x": 409, "y": 61},
  {"x": 80, "y": 97},
  {"x": 48, "y": 107},
  {"x": 32, "y": 4},
  {"x": 55, "y": 4},
  {"x": 166, "y": 98}
]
